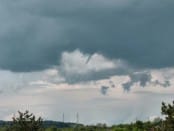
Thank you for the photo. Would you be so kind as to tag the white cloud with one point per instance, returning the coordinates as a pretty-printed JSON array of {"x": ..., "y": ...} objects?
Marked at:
[{"x": 77, "y": 62}]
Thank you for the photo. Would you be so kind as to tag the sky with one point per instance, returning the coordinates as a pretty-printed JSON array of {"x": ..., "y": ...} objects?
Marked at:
[{"x": 110, "y": 61}]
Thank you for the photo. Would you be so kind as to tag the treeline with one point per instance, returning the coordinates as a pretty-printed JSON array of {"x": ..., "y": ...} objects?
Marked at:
[
  {"x": 46, "y": 124},
  {"x": 28, "y": 122}
]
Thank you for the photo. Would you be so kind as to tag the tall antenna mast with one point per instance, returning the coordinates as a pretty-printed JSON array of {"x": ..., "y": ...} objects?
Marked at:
[
  {"x": 77, "y": 118},
  {"x": 63, "y": 118}
]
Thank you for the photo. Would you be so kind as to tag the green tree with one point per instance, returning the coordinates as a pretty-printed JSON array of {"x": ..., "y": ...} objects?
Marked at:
[
  {"x": 139, "y": 124},
  {"x": 26, "y": 122},
  {"x": 168, "y": 111}
]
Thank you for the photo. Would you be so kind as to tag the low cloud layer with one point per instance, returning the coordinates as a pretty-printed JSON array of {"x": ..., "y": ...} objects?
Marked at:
[
  {"x": 102, "y": 96},
  {"x": 77, "y": 67}
]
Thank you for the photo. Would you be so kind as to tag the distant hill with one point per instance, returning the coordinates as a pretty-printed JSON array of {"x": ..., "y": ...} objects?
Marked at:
[
  {"x": 59, "y": 124},
  {"x": 46, "y": 124}
]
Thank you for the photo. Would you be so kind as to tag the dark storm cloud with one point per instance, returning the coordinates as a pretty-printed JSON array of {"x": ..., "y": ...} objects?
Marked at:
[
  {"x": 94, "y": 76},
  {"x": 34, "y": 33}
]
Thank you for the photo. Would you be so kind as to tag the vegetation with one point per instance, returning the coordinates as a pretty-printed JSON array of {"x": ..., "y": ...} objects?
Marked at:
[
  {"x": 168, "y": 111},
  {"x": 28, "y": 122}
]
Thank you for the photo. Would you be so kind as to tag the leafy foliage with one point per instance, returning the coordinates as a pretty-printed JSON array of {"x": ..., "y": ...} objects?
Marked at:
[
  {"x": 168, "y": 111},
  {"x": 26, "y": 122}
]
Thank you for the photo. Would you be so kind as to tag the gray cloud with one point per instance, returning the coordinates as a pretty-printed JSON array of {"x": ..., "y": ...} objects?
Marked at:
[
  {"x": 142, "y": 77},
  {"x": 127, "y": 86},
  {"x": 112, "y": 84},
  {"x": 104, "y": 90},
  {"x": 166, "y": 83},
  {"x": 34, "y": 33}
]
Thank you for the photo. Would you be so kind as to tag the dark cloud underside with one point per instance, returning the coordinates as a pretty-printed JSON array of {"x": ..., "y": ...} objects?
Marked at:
[{"x": 34, "y": 33}]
